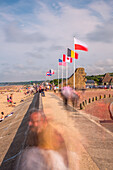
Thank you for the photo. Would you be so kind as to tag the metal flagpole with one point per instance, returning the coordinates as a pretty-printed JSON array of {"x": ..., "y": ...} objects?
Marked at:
[
  {"x": 74, "y": 72},
  {"x": 58, "y": 76},
  {"x": 62, "y": 74},
  {"x": 74, "y": 76},
  {"x": 67, "y": 74}
]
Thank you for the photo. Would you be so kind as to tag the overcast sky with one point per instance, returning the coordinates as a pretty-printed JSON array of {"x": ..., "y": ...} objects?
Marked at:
[{"x": 35, "y": 33}]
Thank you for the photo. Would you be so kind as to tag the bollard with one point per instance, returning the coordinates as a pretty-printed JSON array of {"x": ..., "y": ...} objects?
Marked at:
[
  {"x": 83, "y": 103},
  {"x": 96, "y": 98},
  {"x": 81, "y": 106},
  {"x": 100, "y": 97},
  {"x": 93, "y": 99},
  {"x": 109, "y": 95},
  {"x": 89, "y": 100},
  {"x": 86, "y": 102}
]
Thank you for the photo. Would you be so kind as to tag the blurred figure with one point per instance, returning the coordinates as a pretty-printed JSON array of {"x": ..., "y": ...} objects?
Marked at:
[
  {"x": 54, "y": 89},
  {"x": 8, "y": 98},
  {"x": 11, "y": 99},
  {"x": 40, "y": 89},
  {"x": 2, "y": 116},
  {"x": 66, "y": 93},
  {"x": 46, "y": 149},
  {"x": 74, "y": 98}
]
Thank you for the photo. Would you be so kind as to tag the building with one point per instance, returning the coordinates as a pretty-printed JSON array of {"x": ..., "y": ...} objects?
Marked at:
[
  {"x": 90, "y": 83},
  {"x": 107, "y": 80}
]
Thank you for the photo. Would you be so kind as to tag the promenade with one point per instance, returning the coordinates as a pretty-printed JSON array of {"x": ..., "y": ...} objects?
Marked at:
[{"x": 89, "y": 145}]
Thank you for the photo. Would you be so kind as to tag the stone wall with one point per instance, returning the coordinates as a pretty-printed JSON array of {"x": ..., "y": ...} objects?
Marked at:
[{"x": 79, "y": 79}]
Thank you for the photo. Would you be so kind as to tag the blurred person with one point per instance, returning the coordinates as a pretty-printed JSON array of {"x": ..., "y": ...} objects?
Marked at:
[
  {"x": 8, "y": 98},
  {"x": 66, "y": 93},
  {"x": 54, "y": 89},
  {"x": 46, "y": 149},
  {"x": 11, "y": 99},
  {"x": 75, "y": 97},
  {"x": 40, "y": 89},
  {"x": 2, "y": 116}
]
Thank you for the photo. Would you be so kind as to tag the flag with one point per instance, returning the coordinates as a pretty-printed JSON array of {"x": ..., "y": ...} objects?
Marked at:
[
  {"x": 67, "y": 59},
  {"x": 52, "y": 71},
  {"x": 48, "y": 74},
  {"x": 61, "y": 63},
  {"x": 72, "y": 54},
  {"x": 80, "y": 45}
]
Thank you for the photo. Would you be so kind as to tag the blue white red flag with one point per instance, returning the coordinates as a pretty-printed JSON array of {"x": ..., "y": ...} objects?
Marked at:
[
  {"x": 48, "y": 74},
  {"x": 52, "y": 71}
]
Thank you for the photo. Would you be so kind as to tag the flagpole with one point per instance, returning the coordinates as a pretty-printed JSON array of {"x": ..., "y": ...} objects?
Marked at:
[
  {"x": 66, "y": 74},
  {"x": 62, "y": 75},
  {"x": 74, "y": 72},
  {"x": 58, "y": 76},
  {"x": 46, "y": 78}
]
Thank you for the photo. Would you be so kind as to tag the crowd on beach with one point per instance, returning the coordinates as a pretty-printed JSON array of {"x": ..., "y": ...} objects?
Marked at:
[{"x": 11, "y": 96}]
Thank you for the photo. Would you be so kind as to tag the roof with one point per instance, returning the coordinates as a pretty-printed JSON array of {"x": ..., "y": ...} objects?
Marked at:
[
  {"x": 90, "y": 81},
  {"x": 107, "y": 78},
  {"x": 111, "y": 80}
]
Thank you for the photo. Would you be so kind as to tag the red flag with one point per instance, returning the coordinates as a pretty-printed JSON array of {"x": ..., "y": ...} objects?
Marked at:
[
  {"x": 67, "y": 59},
  {"x": 80, "y": 45}
]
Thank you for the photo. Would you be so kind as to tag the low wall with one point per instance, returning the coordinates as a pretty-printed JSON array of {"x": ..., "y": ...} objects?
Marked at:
[{"x": 21, "y": 131}]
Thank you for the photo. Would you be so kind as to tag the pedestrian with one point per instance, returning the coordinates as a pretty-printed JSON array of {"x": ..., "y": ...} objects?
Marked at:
[
  {"x": 11, "y": 99},
  {"x": 74, "y": 98},
  {"x": 66, "y": 93},
  {"x": 8, "y": 98},
  {"x": 46, "y": 149},
  {"x": 40, "y": 89},
  {"x": 54, "y": 89}
]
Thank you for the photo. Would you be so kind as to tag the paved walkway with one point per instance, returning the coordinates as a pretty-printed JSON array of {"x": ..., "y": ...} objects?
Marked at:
[{"x": 89, "y": 145}]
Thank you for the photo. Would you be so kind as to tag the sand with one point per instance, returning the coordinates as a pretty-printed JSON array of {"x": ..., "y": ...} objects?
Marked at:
[{"x": 18, "y": 95}]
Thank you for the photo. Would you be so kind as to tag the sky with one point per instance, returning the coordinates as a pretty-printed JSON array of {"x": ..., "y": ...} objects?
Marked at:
[{"x": 34, "y": 34}]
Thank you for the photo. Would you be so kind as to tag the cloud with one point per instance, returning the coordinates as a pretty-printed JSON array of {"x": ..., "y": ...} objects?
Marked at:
[
  {"x": 103, "y": 33},
  {"x": 105, "y": 63},
  {"x": 24, "y": 72},
  {"x": 36, "y": 38},
  {"x": 100, "y": 67},
  {"x": 102, "y": 8},
  {"x": 14, "y": 34},
  {"x": 37, "y": 55}
]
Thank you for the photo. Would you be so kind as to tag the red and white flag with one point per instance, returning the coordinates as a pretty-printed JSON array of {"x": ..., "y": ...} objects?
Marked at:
[
  {"x": 80, "y": 45},
  {"x": 67, "y": 59}
]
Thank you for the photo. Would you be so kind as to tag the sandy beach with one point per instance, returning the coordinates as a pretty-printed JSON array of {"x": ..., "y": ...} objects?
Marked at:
[{"x": 18, "y": 97}]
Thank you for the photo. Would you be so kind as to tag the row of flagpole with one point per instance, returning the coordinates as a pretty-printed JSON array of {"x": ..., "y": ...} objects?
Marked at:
[
  {"x": 67, "y": 58},
  {"x": 78, "y": 45}
]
